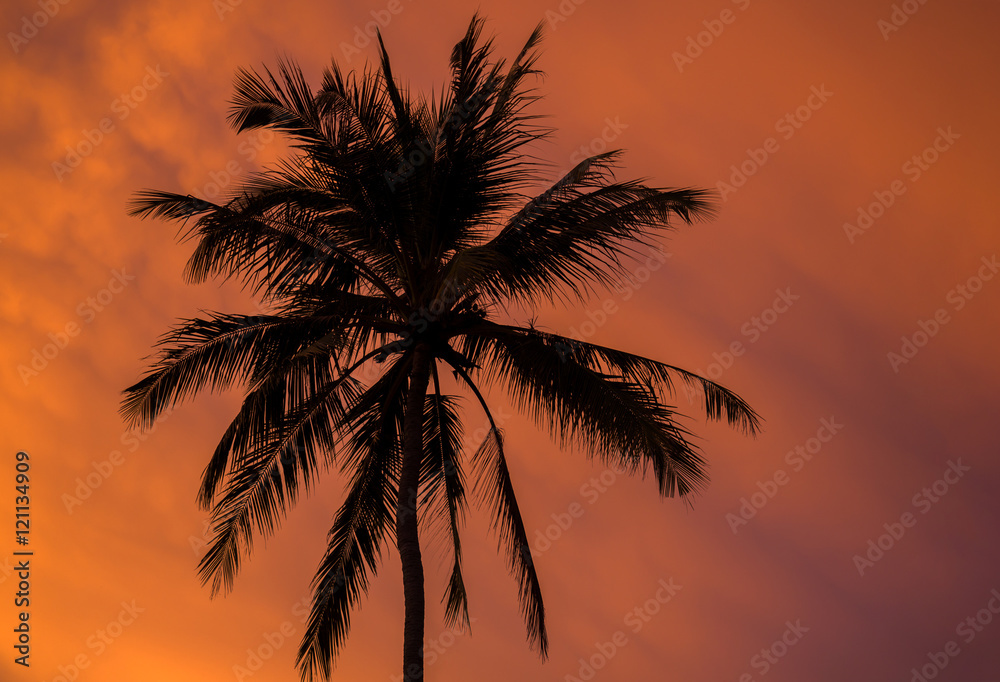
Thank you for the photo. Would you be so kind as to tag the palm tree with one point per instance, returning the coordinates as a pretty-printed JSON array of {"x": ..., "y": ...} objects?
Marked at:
[{"x": 388, "y": 249}]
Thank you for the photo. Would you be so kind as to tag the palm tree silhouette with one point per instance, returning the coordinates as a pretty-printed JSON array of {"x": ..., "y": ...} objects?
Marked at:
[{"x": 387, "y": 249}]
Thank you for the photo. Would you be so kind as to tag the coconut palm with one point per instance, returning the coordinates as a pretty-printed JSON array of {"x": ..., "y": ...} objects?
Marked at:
[{"x": 387, "y": 251}]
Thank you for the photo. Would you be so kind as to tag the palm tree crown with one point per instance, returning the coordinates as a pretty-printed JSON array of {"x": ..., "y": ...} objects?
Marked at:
[{"x": 388, "y": 248}]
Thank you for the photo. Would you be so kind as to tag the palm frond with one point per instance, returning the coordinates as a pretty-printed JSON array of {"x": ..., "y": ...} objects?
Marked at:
[
  {"x": 215, "y": 353},
  {"x": 613, "y": 417},
  {"x": 442, "y": 481},
  {"x": 577, "y": 236},
  {"x": 720, "y": 402},
  {"x": 267, "y": 480},
  {"x": 284, "y": 102},
  {"x": 262, "y": 413},
  {"x": 361, "y": 524},
  {"x": 282, "y": 389},
  {"x": 495, "y": 490}
]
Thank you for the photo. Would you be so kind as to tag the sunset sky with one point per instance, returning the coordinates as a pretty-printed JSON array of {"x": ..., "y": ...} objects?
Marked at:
[{"x": 848, "y": 290}]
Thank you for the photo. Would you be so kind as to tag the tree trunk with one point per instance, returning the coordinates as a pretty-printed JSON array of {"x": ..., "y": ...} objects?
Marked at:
[{"x": 407, "y": 539}]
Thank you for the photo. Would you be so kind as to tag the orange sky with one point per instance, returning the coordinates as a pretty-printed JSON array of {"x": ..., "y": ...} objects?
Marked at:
[{"x": 141, "y": 90}]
